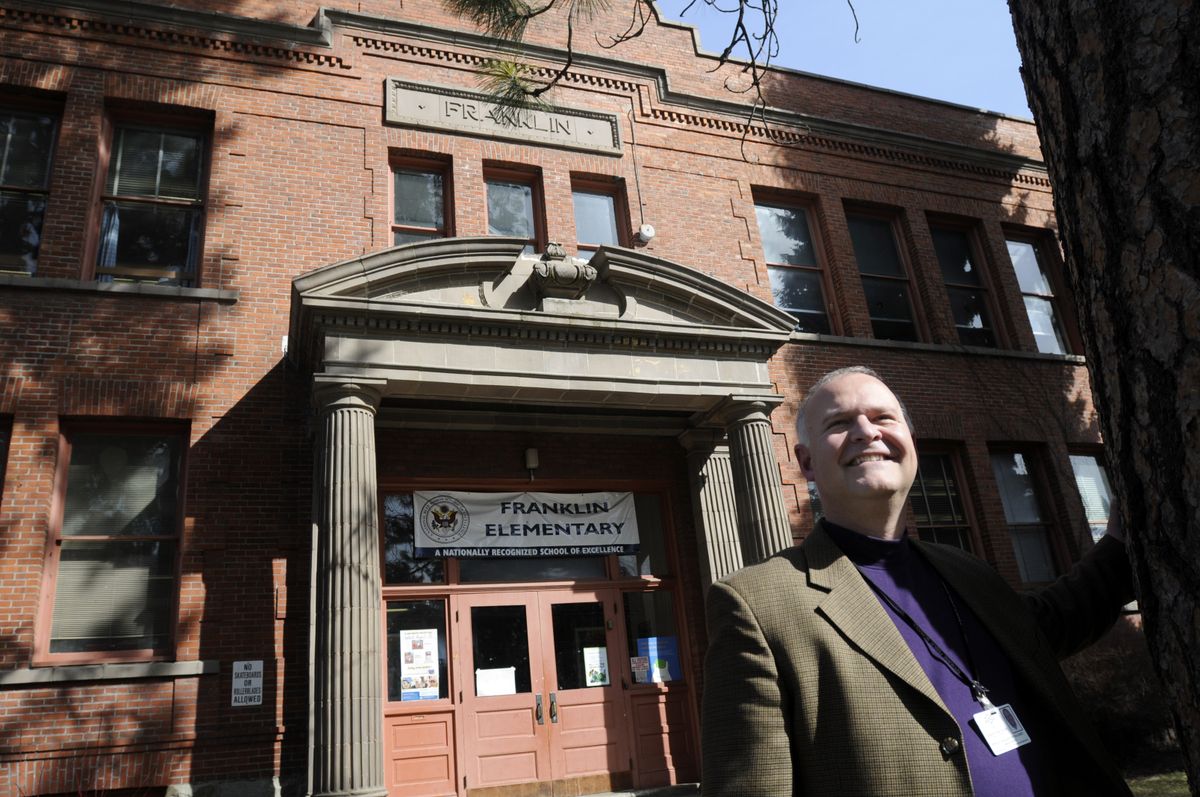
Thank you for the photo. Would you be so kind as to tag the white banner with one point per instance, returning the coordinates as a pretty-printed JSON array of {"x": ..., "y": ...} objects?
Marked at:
[{"x": 496, "y": 525}]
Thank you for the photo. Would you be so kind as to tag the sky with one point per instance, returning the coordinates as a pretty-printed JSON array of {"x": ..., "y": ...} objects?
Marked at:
[{"x": 961, "y": 51}]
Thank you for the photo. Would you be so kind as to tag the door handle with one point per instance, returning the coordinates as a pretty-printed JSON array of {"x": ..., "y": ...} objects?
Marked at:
[
  {"x": 540, "y": 719},
  {"x": 553, "y": 708}
]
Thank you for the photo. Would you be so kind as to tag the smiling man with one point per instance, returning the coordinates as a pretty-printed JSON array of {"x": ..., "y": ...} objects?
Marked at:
[{"x": 863, "y": 662}]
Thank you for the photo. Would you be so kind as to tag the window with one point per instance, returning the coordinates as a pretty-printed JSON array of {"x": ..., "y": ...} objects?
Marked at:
[
  {"x": 153, "y": 207},
  {"x": 419, "y": 206},
  {"x": 1022, "y": 511},
  {"x": 965, "y": 286},
  {"x": 651, "y": 633},
  {"x": 116, "y": 544},
  {"x": 26, "y": 145},
  {"x": 416, "y": 650},
  {"x": 1091, "y": 478},
  {"x": 596, "y": 212},
  {"x": 937, "y": 502},
  {"x": 884, "y": 277},
  {"x": 513, "y": 206},
  {"x": 792, "y": 266},
  {"x": 1040, "y": 304}
]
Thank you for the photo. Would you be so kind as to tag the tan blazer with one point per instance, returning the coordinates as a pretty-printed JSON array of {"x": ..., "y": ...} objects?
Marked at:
[{"x": 809, "y": 689}]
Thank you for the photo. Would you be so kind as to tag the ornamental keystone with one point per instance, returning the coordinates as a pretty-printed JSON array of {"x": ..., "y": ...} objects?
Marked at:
[{"x": 559, "y": 276}]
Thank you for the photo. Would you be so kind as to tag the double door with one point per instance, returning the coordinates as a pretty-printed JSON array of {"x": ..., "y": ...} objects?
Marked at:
[{"x": 541, "y": 687}]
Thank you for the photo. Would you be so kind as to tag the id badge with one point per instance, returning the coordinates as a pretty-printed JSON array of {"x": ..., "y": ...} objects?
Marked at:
[{"x": 1001, "y": 729}]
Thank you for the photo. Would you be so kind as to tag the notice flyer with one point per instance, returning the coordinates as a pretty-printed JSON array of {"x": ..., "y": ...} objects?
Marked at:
[
  {"x": 595, "y": 664},
  {"x": 419, "y": 664}
]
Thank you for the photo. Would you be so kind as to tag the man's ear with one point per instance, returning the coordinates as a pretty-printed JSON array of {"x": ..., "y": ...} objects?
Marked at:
[{"x": 804, "y": 459}]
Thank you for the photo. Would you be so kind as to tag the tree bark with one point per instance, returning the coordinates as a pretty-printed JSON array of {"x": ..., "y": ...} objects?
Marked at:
[{"x": 1115, "y": 89}]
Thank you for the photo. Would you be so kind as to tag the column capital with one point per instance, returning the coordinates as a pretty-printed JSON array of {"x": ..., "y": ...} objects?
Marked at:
[
  {"x": 334, "y": 393},
  {"x": 703, "y": 439},
  {"x": 737, "y": 410}
]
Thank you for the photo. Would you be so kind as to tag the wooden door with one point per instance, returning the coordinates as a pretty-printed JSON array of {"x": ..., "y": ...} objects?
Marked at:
[
  {"x": 581, "y": 659},
  {"x": 501, "y": 677}
]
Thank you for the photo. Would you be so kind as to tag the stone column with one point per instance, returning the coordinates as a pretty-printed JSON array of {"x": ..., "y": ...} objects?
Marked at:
[
  {"x": 346, "y": 677},
  {"x": 762, "y": 520},
  {"x": 713, "y": 504}
]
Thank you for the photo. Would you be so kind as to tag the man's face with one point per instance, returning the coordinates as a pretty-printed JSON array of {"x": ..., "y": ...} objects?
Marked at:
[{"x": 859, "y": 444}]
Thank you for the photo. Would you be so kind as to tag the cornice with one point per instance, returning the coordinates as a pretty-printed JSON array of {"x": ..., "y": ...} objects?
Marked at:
[
  {"x": 181, "y": 27},
  {"x": 781, "y": 125},
  {"x": 310, "y": 45}
]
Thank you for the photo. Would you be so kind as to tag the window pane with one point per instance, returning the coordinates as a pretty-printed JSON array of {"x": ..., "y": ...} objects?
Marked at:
[
  {"x": 158, "y": 238},
  {"x": 1016, "y": 488},
  {"x": 416, "y": 653},
  {"x": 180, "y": 173},
  {"x": 1029, "y": 271},
  {"x": 510, "y": 209},
  {"x": 419, "y": 201},
  {"x": 1033, "y": 553},
  {"x": 971, "y": 317},
  {"x": 937, "y": 504},
  {"x": 799, "y": 292},
  {"x": 875, "y": 246},
  {"x": 650, "y": 625},
  {"x": 122, "y": 486},
  {"x": 1092, "y": 480},
  {"x": 1046, "y": 332},
  {"x": 113, "y": 596},
  {"x": 595, "y": 218},
  {"x": 400, "y": 566},
  {"x": 580, "y": 648},
  {"x": 651, "y": 558},
  {"x": 889, "y": 308},
  {"x": 155, "y": 163},
  {"x": 20, "y": 231},
  {"x": 133, "y": 167},
  {"x": 785, "y": 235},
  {"x": 958, "y": 536},
  {"x": 500, "y": 640},
  {"x": 408, "y": 237},
  {"x": 28, "y": 141},
  {"x": 935, "y": 497},
  {"x": 954, "y": 255}
]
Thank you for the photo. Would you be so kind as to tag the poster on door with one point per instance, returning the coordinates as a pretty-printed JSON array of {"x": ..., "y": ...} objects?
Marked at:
[
  {"x": 595, "y": 664},
  {"x": 419, "y": 664}
]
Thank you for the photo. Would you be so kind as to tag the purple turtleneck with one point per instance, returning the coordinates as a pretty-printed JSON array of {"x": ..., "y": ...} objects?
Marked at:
[{"x": 896, "y": 568}]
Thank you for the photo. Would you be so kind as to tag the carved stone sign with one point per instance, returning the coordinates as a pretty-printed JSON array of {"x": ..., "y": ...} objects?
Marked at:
[{"x": 440, "y": 108}]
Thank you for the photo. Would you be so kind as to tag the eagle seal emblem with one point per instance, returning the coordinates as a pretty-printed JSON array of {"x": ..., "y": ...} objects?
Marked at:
[{"x": 445, "y": 519}]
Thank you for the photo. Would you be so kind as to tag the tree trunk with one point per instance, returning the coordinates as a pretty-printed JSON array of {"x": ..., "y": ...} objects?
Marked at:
[{"x": 1115, "y": 88}]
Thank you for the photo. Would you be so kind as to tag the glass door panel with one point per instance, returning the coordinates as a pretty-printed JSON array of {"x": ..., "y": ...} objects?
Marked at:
[
  {"x": 500, "y": 647},
  {"x": 503, "y": 717},
  {"x": 580, "y": 647}
]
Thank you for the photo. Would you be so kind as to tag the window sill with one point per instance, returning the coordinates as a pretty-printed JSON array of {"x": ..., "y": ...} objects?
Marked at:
[
  {"x": 120, "y": 288},
  {"x": 944, "y": 348},
  {"x": 107, "y": 672}
]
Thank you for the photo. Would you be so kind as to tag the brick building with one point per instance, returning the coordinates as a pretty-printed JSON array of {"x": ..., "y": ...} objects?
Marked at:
[{"x": 278, "y": 282}]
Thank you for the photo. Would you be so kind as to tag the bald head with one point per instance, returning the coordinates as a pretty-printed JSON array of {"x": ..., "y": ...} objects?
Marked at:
[{"x": 801, "y": 425}]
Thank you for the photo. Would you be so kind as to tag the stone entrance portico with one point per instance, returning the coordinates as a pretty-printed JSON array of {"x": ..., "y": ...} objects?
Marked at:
[{"x": 637, "y": 341}]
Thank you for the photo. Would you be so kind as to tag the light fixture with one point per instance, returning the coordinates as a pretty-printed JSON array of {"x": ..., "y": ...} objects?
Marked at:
[{"x": 531, "y": 461}]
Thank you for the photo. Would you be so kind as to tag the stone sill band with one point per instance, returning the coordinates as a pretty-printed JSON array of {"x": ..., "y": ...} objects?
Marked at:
[{"x": 108, "y": 672}]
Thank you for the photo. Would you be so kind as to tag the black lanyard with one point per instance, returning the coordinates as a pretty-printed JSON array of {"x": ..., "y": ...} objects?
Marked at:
[{"x": 978, "y": 690}]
